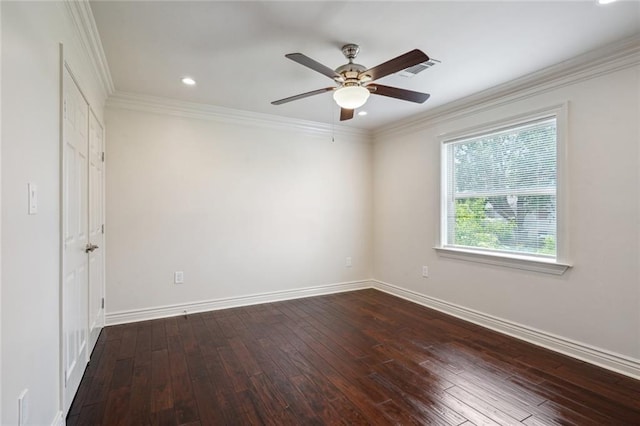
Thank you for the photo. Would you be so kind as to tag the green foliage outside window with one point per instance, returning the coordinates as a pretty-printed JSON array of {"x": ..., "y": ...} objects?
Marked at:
[
  {"x": 474, "y": 229},
  {"x": 504, "y": 190}
]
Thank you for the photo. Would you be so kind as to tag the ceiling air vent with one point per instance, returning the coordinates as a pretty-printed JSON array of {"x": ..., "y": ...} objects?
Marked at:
[{"x": 416, "y": 69}]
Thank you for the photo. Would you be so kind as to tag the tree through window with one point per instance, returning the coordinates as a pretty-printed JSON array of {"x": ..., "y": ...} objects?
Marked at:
[{"x": 501, "y": 190}]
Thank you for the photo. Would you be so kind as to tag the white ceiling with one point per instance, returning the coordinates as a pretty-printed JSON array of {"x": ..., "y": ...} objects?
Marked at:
[{"x": 235, "y": 50}]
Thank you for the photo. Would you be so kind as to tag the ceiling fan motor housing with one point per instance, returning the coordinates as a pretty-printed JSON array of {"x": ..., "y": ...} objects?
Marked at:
[{"x": 350, "y": 72}]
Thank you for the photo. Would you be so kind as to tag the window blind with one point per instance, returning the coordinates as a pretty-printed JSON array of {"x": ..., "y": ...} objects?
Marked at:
[{"x": 501, "y": 189}]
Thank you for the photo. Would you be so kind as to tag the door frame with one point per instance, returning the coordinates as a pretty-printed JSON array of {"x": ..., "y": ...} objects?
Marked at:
[
  {"x": 64, "y": 65},
  {"x": 0, "y": 211},
  {"x": 101, "y": 321}
]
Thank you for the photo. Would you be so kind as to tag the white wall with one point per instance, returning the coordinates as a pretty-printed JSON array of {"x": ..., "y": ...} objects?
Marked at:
[
  {"x": 241, "y": 208},
  {"x": 30, "y": 347},
  {"x": 597, "y": 301}
]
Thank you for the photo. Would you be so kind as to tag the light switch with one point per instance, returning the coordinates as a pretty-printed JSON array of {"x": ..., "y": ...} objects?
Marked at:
[{"x": 33, "y": 198}]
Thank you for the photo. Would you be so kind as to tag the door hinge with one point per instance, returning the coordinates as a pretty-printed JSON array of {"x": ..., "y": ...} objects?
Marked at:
[
  {"x": 103, "y": 156},
  {"x": 103, "y": 228},
  {"x": 64, "y": 108},
  {"x": 102, "y": 304}
]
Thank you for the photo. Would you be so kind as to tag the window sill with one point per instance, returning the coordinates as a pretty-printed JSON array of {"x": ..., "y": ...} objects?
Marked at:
[{"x": 510, "y": 261}]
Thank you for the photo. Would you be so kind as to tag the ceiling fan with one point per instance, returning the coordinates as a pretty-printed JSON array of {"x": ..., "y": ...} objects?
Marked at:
[{"x": 355, "y": 82}]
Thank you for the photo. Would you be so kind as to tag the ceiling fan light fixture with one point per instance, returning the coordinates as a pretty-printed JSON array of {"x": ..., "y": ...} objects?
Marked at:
[{"x": 351, "y": 97}]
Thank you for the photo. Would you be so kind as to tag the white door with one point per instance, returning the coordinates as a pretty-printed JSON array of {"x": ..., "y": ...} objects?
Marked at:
[
  {"x": 96, "y": 229},
  {"x": 75, "y": 214}
]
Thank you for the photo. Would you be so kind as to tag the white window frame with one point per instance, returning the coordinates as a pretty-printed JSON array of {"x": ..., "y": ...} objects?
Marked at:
[{"x": 561, "y": 262}]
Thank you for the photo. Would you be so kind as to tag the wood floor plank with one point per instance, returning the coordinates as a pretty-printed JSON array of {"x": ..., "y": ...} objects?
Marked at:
[
  {"x": 208, "y": 410},
  {"x": 101, "y": 383},
  {"x": 117, "y": 406},
  {"x": 128, "y": 343},
  {"x": 355, "y": 358},
  {"x": 315, "y": 400},
  {"x": 161, "y": 391},
  {"x": 273, "y": 407},
  {"x": 424, "y": 390},
  {"x": 234, "y": 370},
  {"x": 140, "y": 403},
  {"x": 422, "y": 408},
  {"x": 158, "y": 336},
  {"x": 87, "y": 378},
  {"x": 189, "y": 341},
  {"x": 186, "y": 409},
  {"x": 584, "y": 400},
  {"x": 93, "y": 414},
  {"x": 143, "y": 346},
  {"x": 244, "y": 356},
  {"x": 352, "y": 372},
  {"x": 312, "y": 372},
  {"x": 483, "y": 406}
]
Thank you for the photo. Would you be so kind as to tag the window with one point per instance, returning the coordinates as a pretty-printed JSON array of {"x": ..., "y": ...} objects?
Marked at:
[{"x": 500, "y": 192}]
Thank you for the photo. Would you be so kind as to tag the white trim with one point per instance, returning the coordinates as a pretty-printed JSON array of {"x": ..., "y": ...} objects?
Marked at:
[
  {"x": 601, "y": 357},
  {"x": 99, "y": 323},
  {"x": 136, "y": 315},
  {"x": 85, "y": 25},
  {"x": 61, "y": 374},
  {"x": 508, "y": 260},
  {"x": 58, "y": 420},
  {"x": 159, "y": 105},
  {"x": 508, "y": 124},
  {"x": 555, "y": 266},
  {"x": 1, "y": 212},
  {"x": 591, "y": 354},
  {"x": 607, "y": 59}
]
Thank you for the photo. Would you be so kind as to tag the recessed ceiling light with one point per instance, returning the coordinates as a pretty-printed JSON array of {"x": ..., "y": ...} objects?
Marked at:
[
  {"x": 363, "y": 113},
  {"x": 605, "y": 1},
  {"x": 188, "y": 81}
]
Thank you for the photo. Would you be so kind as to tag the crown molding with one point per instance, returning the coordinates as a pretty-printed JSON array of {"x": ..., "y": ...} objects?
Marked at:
[
  {"x": 159, "y": 105},
  {"x": 610, "y": 58},
  {"x": 82, "y": 17}
]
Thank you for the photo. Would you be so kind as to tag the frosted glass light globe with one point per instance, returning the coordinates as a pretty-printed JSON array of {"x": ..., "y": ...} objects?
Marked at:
[{"x": 351, "y": 97}]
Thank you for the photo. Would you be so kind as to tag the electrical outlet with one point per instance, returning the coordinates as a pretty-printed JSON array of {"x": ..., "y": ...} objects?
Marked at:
[
  {"x": 23, "y": 408},
  {"x": 348, "y": 263},
  {"x": 178, "y": 277},
  {"x": 425, "y": 271}
]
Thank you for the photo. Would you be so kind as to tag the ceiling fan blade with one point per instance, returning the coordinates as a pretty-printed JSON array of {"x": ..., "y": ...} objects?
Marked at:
[
  {"x": 394, "y": 92},
  {"x": 394, "y": 65},
  {"x": 302, "y": 95},
  {"x": 346, "y": 114},
  {"x": 314, "y": 65}
]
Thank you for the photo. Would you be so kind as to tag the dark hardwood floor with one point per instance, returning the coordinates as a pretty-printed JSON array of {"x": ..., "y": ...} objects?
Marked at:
[{"x": 362, "y": 357}]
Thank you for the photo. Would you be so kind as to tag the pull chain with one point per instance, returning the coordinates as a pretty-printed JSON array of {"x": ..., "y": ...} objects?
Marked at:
[{"x": 333, "y": 122}]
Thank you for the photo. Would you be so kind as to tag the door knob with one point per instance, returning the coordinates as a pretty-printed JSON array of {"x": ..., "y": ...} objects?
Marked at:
[{"x": 90, "y": 247}]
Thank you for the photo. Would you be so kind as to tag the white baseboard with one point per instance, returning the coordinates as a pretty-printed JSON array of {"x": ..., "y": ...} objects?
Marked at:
[
  {"x": 600, "y": 357},
  {"x": 135, "y": 315},
  {"x": 58, "y": 420},
  {"x": 593, "y": 355}
]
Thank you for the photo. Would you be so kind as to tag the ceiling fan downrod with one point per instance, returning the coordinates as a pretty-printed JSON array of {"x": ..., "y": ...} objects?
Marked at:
[{"x": 350, "y": 51}]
